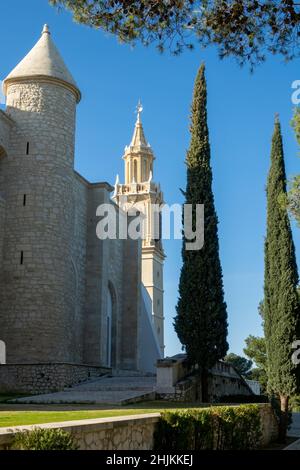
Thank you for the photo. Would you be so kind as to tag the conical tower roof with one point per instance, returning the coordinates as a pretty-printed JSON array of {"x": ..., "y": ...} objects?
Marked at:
[
  {"x": 138, "y": 138},
  {"x": 43, "y": 62}
]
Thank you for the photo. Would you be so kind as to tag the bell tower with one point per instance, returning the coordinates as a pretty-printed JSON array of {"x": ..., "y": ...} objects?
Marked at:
[{"x": 139, "y": 188}]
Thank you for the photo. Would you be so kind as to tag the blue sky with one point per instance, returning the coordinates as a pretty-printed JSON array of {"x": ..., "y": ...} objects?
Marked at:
[{"x": 241, "y": 108}]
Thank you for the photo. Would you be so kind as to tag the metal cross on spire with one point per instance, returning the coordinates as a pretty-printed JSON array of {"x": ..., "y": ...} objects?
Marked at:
[{"x": 139, "y": 110}]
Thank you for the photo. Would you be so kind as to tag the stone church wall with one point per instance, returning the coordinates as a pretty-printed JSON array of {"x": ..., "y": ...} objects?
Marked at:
[
  {"x": 112, "y": 268},
  {"x": 131, "y": 273},
  {"x": 96, "y": 278},
  {"x": 2, "y": 220},
  {"x": 79, "y": 256}
]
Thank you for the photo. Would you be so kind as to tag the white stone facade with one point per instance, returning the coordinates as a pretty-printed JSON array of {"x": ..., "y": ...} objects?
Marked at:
[{"x": 140, "y": 190}]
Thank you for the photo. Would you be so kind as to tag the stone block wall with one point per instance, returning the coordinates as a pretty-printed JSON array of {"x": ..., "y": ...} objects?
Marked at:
[
  {"x": 44, "y": 378},
  {"x": 187, "y": 390},
  {"x": 123, "y": 433},
  {"x": 79, "y": 248},
  {"x": 120, "y": 433}
]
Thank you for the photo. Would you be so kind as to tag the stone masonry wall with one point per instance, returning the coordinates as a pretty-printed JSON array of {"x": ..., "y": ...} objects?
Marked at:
[
  {"x": 5, "y": 125},
  {"x": 112, "y": 268},
  {"x": 189, "y": 389},
  {"x": 96, "y": 280},
  {"x": 2, "y": 220},
  {"x": 79, "y": 257},
  {"x": 44, "y": 378},
  {"x": 127, "y": 432}
]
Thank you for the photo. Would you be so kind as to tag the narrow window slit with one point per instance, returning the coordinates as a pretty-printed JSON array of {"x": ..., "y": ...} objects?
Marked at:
[
  {"x": 24, "y": 200},
  {"x": 27, "y": 148},
  {"x": 22, "y": 257}
]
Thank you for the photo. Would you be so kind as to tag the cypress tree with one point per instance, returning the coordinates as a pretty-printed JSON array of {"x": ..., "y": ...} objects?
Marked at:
[
  {"x": 201, "y": 319},
  {"x": 281, "y": 303}
]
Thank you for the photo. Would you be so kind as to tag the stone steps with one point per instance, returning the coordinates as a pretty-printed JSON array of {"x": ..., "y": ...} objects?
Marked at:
[
  {"x": 107, "y": 384},
  {"x": 106, "y": 390},
  {"x": 103, "y": 398}
]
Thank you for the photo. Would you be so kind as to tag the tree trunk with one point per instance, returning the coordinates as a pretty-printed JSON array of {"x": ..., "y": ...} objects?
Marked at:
[
  {"x": 283, "y": 422},
  {"x": 204, "y": 386}
]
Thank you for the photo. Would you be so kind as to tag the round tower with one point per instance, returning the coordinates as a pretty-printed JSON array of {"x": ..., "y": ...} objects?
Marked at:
[{"x": 37, "y": 289}]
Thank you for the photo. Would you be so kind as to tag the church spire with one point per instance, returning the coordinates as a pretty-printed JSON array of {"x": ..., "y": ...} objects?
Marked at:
[
  {"x": 138, "y": 138},
  {"x": 138, "y": 155}
]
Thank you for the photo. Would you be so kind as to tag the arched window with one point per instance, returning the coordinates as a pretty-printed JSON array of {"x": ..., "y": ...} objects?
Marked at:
[
  {"x": 135, "y": 170},
  {"x": 2, "y": 352}
]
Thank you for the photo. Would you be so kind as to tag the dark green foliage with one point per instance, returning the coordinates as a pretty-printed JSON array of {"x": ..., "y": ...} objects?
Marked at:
[
  {"x": 241, "y": 364},
  {"x": 215, "y": 428},
  {"x": 44, "y": 439},
  {"x": 256, "y": 350},
  {"x": 245, "y": 29},
  {"x": 295, "y": 404},
  {"x": 243, "y": 399},
  {"x": 201, "y": 320},
  {"x": 293, "y": 199},
  {"x": 281, "y": 302}
]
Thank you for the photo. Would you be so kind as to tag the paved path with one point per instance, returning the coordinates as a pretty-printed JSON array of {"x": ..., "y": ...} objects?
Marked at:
[
  {"x": 294, "y": 430},
  {"x": 106, "y": 390}
]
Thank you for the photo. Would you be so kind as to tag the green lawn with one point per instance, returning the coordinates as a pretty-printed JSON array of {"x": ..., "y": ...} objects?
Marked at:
[{"x": 17, "y": 418}]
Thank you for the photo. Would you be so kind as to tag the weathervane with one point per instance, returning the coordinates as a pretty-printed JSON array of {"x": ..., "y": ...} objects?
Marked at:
[{"x": 139, "y": 110}]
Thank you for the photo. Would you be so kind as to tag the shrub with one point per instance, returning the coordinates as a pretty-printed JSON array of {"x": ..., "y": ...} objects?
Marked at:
[
  {"x": 295, "y": 403},
  {"x": 215, "y": 428},
  {"x": 44, "y": 439}
]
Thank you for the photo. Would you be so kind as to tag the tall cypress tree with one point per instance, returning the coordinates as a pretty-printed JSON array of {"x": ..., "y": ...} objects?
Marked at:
[
  {"x": 201, "y": 320},
  {"x": 281, "y": 302}
]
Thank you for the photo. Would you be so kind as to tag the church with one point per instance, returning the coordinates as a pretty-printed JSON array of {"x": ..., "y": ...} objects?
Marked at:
[{"x": 67, "y": 298}]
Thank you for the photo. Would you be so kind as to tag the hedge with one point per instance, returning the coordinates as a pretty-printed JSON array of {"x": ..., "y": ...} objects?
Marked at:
[{"x": 215, "y": 428}]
